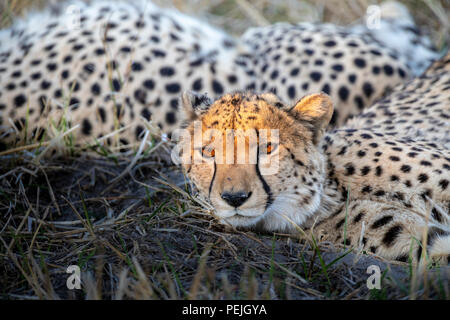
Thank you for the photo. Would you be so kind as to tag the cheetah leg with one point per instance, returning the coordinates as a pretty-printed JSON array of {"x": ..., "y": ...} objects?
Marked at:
[{"x": 388, "y": 230}]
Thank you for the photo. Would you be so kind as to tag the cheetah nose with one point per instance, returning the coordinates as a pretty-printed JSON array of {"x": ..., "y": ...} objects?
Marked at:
[{"x": 235, "y": 199}]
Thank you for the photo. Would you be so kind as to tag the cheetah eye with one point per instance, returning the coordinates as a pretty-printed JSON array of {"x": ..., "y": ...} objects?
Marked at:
[
  {"x": 208, "y": 152},
  {"x": 271, "y": 147}
]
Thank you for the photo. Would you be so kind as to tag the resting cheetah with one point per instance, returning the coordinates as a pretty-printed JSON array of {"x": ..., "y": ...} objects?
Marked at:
[
  {"x": 127, "y": 63},
  {"x": 377, "y": 183}
]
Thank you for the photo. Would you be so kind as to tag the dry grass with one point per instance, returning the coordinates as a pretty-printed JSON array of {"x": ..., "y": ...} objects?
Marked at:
[
  {"x": 131, "y": 224},
  {"x": 145, "y": 237}
]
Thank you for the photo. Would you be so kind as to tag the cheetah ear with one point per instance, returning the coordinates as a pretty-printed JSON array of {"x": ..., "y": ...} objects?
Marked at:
[
  {"x": 195, "y": 104},
  {"x": 315, "y": 110}
]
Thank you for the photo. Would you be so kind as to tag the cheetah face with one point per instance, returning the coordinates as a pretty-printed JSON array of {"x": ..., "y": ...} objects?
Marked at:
[{"x": 256, "y": 159}]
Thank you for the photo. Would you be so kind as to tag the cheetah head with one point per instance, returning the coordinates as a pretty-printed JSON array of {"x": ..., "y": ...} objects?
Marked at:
[{"x": 256, "y": 159}]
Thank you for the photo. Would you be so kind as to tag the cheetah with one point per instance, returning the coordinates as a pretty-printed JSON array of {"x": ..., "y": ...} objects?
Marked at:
[
  {"x": 120, "y": 68},
  {"x": 378, "y": 183}
]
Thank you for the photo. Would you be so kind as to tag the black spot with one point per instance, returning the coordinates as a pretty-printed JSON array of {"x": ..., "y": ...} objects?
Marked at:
[
  {"x": 394, "y": 158},
  {"x": 158, "y": 53},
  {"x": 352, "y": 78},
  {"x": 405, "y": 168},
  {"x": 425, "y": 163},
  {"x": 96, "y": 89},
  {"x": 89, "y": 68},
  {"x": 343, "y": 93},
  {"x": 388, "y": 70},
  {"x": 197, "y": 85},
  {"x": 78, "y": 47},
  {"x": 290, "y": 49},
  {"x": 365, "y": 170},
  {"x": 140, "y": 96},
  {"x": 45, "y": 84},
  {"x": 74, "y": 103},
  {"x": 436, "y": 215},
  {"x": 10, "y": 86},
  {"x": 443, "y": 184},
  {"x": 315, "y": 76},
  {"x": 375, "y": 69},
  {"x": 146, "y": 114},
  {"x": 171, "y": 118},
  {"x": 149, "y": 84},
  {"x": 174, "y": 104},
  {"x": 338, "y": 54},
  {"x": 337, "y": 67},
  {"x": 217, "y": 87},
  {"x": 116, "y": 85},
  {"x": 167, "y": 71},
  {"x": 391, "y": 235},
  {"x": 73, "y": 86},
  {"x": 99, "y": 51},
  {"x": 291, "y": 92},
  {"x": 36, "y": 75},
  {"x": 367, "y": 89},
  {"x": 67, "y": 59},
  {"x": 35, "y": 62},
  {"x": 379, "y": 193},
  {"x": 347, "y": 242},
  {"x": 295, "y": 72},
  {"x": 360, "y": 63},
  {"x": 401, "y": 72},
  {"x": 358, "y": 217},
  {"x": 16, "y": 74},
  {"x": 359, "y": 102},
  {"x": 349, "y": 169},
  {"x": 381, "y": 222},
  {"x": 52, "y": 66},
  {"x": 137, "y": 66},
  {"x": 102, "y": 114},
  {"x": 340, "y": 223},
  {"x": 65, "y": 74},
  {"x": 378, "y": 171},
  {"x": 422, "y": 178},
  {"x": 138, "y": 132},
  {"x": 19, "y": 100},
  {"x": 402, "y": 258},
  {"x": 326, "y": 88},
  {"x": 232, "y": 79},
  {"x": 86, "y": 127},
  {"x": 274, "y": 74},
  {"x": 174, "y": 87}
]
